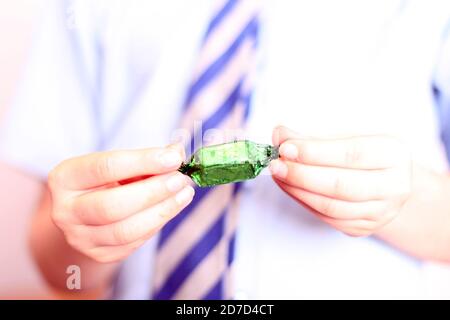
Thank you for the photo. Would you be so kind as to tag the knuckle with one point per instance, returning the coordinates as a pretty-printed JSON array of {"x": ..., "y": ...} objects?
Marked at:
[
  {"x": 340, "y": 188},
  {"x": 166, "y": 212},
  {"x": 122, "y": 234},
  {"x": 58, "y": 218},
  {"x": 54, "y": 179},
  {"x": 356, "y": 233},
  {"x": 60, "y": 214},
  {"x": 96, "y": 209},
  {"x": 388, "y": 216},
  {"x": 104, "y": 167},
  {"x": 80, "y": 210},
  {"x": 375, "y": 213},
  {"x": 74, "y": 242},
  {"x": 354, "y": 154},
  {"x": 328, "y": 207},
  {"x": 306, "y": 153},
  {"x": 105, "y": 209},
  {"x": 171, "y": 209}
]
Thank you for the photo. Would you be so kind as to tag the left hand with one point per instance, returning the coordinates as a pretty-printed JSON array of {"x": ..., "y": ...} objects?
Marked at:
[{"x": 355, "y": 184}]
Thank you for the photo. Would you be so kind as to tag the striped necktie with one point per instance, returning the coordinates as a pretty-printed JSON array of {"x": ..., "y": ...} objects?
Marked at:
[{"x": 195, "y": 250}]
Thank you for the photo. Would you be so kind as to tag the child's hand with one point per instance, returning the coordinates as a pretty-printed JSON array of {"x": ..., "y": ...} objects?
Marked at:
[
  {"x": 355, "y": 184},
  {"x": 105, "y": 216}
]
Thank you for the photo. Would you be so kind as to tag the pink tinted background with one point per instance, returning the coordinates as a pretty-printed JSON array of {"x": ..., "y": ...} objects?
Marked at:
[{"x": 19, "y": 277}]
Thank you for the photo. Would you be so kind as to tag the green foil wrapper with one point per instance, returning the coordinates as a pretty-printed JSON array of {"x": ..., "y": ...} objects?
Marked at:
[{"x": 228, "y": 162}]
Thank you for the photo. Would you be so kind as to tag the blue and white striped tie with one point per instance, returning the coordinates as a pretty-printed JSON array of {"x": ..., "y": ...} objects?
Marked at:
[{"x": 196, "y": 249}]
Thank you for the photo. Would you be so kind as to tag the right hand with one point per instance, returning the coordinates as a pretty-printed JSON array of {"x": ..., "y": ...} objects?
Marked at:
[{"x": 106, "y": 218}]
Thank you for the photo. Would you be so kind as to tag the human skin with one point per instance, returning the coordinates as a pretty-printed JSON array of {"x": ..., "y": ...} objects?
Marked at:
[
  {"x": 101, "y": 207},
  {"x": 367, "y": 185}
]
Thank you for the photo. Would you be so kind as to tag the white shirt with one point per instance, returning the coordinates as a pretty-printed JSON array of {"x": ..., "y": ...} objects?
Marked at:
[{"x": 113, "y": 75}]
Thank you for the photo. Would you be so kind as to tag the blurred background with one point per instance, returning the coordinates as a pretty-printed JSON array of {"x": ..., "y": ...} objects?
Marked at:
[{"x": 19, "y": 277}]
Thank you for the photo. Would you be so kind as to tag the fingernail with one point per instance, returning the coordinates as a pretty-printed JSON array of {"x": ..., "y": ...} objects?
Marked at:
[
  {"x": 278, "y": 168},
  {"x": 175, "y": 183},
  {"x": 289, "y": 151},
  {"x": 170, "y": 159},
  {"x": 178, "y": 146},
  {"x": 184, "y": 195}
]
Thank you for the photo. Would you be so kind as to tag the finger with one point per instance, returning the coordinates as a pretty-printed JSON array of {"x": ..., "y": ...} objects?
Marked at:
[
  {"x": 83, "y": 238},
  {"x": 356, "y": 228},
  {"x": 281, "y": 133},
  {"x": 352, "y": 227},
  {"x": 143, "y": 224},
  {"x": 368, "y": 152},
  {"x": 337, "y": 183},
  {"x": 110, "y": 254},
  {"x": 363, "y": 152},
  {"x": 101, "y": 168},
  {"x": 111, "y": 205},
  {"x": 337, "y": 209}
]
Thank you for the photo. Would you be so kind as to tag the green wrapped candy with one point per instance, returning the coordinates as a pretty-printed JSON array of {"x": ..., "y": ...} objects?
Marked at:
[{"x": 228, "y": 162}]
